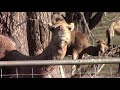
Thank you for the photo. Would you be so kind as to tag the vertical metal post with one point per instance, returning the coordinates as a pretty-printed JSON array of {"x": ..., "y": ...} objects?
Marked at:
[
  {"x": 1, "y": 72},
  {"x": 111, "y": 70},
  {"x": 95, "y": 67},
  {"x": 80, "y": 72},
  {"x": 17, "y": 72},
  {"x": 32, "y": 72}
]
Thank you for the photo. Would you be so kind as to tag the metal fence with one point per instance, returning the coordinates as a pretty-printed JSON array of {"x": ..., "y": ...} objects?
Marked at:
[{"x": 97, "y": 64}]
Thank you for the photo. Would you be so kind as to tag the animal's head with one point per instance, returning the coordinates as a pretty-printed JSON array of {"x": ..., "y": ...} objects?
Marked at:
[
  {"x": 102, "y": 44},
  {"x": 61, "y": 32}
]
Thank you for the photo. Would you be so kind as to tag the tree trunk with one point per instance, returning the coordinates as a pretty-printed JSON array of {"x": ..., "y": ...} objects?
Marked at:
[
  {"x": 38, "y": 34},
  {"x": 95, "y": 20},
  {"x": 28, "y": 29},
  {"x": 9, "y": 26}
]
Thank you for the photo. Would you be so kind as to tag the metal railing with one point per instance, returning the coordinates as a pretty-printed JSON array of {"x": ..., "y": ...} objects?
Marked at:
[{"x": 60, "y": 62}]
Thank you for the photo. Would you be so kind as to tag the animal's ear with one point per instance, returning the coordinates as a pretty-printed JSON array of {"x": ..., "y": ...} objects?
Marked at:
[
  {"x": 50, "y": 27},
  {"x": 71, "y": 26}
]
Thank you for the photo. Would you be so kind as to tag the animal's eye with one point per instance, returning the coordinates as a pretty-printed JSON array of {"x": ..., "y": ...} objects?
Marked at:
[
  {"x": 53, "y": 28},
  {"x": 60, "y": 28},
  {"x": 69, "y": 28}
]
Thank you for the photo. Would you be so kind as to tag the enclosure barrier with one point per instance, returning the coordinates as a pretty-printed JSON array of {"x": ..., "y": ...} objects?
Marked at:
[{"x": 61, "y": 62}]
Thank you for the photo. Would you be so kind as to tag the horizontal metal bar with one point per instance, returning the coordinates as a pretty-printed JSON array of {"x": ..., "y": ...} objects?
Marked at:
[{"x": 59, "y": 62}]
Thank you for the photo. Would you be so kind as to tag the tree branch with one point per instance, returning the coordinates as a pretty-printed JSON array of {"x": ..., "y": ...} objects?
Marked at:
[{"x": 95, "y": 20}]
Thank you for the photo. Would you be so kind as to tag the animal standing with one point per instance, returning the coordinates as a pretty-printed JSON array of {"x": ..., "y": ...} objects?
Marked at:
[
  {"x": 56, "y": 50},
  {"x": 78, "y": 42}
]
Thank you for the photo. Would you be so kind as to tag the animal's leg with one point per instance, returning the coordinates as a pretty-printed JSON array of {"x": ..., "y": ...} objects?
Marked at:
[
  {"x": 77, "y": 67},
  {"x": 74, "y": 57},
  {"x": 80, "y": 56}
]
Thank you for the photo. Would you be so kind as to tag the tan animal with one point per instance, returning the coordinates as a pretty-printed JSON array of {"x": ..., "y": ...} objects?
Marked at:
[
  {"x": 76, "y": 37},
  {"x": 6, "y": 44},
  {"x": 113, "y": 29},
  {"x": 56, "y": 50},
  {"x": 79, "y": 43}
]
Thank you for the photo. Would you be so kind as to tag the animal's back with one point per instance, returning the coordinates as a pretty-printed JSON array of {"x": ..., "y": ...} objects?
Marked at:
[
  {"x": 6, "y": 42},
  {"x": 79, "y": 41}
]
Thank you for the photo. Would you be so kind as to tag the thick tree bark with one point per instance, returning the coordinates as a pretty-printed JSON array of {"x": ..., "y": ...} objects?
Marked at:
[
  {"x": 28, "y": 29},
  {"x": 38, "y": 34},
  {"x": 19, "y": 33},
  {"x": 9, "y": 26}
]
